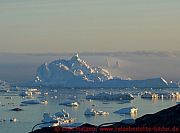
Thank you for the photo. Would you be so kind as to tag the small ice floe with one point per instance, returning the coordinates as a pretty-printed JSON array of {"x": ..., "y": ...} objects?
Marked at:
[
  {"x": 25, "y": 93},
  {"x": 4, "y": 87},
  {"x": 90, "y": 112},
  {"x": 102, "y": 112},
  {"x": 34, "y": 91},
  {"x": 32, "y": 101},
  {"x": 2, "y": 120},
  {"x": 69, "y": 102},
  {"x": 166, "y": 95},
  {"x": 62, "y": 114},
  {"x": 110, "y": 96},
  {"x": 29, "y": 92},
  {"x": 59, "y": 118},
  {"x": 73, "y": 104},
  {"x": 53, "y": 97},
  {"x": 16, "y": 109},
  {"x": 44, "y": 102},
  {"x": 13, "y": 119},
  {"x": 49, "y": 120},
  {"x": 93, "y": 112},
  {"x": 129, "y": 110},
  {"x": 149, "y": 95},
  {"x": 46, "y": 93}
]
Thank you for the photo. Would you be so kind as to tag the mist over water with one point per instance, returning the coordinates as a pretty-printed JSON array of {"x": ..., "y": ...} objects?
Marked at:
[{"x": 135, "y": 65}]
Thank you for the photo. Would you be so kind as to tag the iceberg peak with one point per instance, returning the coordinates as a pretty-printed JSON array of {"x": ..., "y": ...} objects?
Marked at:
[
  {"x": 76, "y": 57},
  {"x": 74, "y": 71}
]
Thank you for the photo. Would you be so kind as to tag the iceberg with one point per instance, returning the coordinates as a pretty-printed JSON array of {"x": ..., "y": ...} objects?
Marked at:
[
  {"x": 70, "y": 103},
  {"x": 75, "y": 72},
  {"x": 32, "y": 101},
  {"x": 4, "y": 86},
  {"x": 58, "y": 119},
  {"x": 25, "y": 93},
  {"x": 90, "y": 112},
  {"x": 110, "y": 96},
  {"x": 129, "y": 110},
  {"x": 149, "y": 95},
  {"x": 93, "y": 112}
]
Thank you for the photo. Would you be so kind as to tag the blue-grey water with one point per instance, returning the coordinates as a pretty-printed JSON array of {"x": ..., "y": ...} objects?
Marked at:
[{"x": 33, "y": 114}]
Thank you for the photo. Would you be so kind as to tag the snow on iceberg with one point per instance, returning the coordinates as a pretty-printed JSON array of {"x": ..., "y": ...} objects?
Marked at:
[{"x": 75, "y": 72}]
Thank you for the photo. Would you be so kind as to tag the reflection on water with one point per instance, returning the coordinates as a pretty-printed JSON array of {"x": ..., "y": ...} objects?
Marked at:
[
  {"x": 134, "y": 115},
  {"x": 33, "y": 114},
  {"x": 154, "y": 100}
]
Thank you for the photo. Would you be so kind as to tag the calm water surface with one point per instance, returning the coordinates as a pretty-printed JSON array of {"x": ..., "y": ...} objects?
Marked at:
[{"x": 33, "y": 114}]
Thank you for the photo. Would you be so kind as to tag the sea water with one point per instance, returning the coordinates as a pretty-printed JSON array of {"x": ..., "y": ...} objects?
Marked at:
[{"x": 33, "y": 114}]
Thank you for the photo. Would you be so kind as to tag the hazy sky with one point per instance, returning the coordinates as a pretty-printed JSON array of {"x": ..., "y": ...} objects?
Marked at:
[{"x": 89, "y": 25}]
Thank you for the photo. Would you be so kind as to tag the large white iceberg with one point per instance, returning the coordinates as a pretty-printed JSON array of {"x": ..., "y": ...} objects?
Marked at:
[{"x": 75, "y": 72}]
